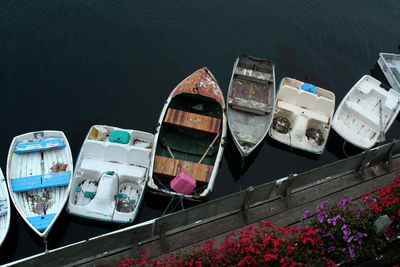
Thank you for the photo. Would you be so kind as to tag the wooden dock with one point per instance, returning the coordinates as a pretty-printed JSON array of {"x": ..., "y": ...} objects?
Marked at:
[{"x": 282, "y": 202}]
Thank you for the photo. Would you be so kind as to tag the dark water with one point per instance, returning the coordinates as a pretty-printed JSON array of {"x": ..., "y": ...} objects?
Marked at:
[{"x": 66, "y": 65}]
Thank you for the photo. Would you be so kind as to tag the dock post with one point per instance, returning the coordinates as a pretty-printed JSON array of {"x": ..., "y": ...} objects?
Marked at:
[{"x": 246, "y": 205}]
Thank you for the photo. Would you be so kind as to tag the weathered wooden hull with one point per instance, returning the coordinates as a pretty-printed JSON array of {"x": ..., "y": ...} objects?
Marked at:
[
  {"x": 390, "y": 66},
  {"x": 358, "y": 118},
  {"x": 192, "y": 117},
  {"x": 111, "y": 174},
  {"x": 302, "y": 115},
  {"x": 40, "y": 207},
  {"x": 5, "y": 208},
  {"x": 251, "y": 101}
]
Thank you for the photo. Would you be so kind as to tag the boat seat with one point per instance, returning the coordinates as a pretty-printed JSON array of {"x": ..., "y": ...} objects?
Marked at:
[
  {"x": 309, "y": 113},
  {"x": 101, "y": 166},
  {"x": 365, "y": 115},
  {"x": 46, "y": 143},
  {"x": 253, "y": 75},
  {"x": 40, "y": 181},
  {"x": 41, "y": 222},
  {"x": 192, "y": 121},
  {"x": 250, "y": 106},
  {"x": 170, "y": 168}
]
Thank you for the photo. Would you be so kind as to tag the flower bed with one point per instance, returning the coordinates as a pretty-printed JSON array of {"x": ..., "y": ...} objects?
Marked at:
[{"x": 342, "y": 233}]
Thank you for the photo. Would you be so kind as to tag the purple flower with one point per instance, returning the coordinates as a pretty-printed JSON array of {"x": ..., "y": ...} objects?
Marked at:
[
  {"x": 350, "y": 239},
  {"x": 369, "y": 198},
  {"x": 320, "y": 217},
  {"x": 343, "y": 203},
  {"x": 346, "y": 231},
  {"x": 351, "y": 252},
  {"x": 331, "y": 249},
  {"x": 334, "y": 219},
  {"x": 322, "y": 205},
  {"x": 306, "y": 213},
  {"x": 329, "y": 235},
  {"x": 379, "y": 258}
]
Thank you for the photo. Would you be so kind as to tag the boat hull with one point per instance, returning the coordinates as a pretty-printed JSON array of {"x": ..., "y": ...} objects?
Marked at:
[
  {"x": 358, "y": 119},
  {"x": 5, "y": 209},
  {"x": 39, "y": 181},
  {"x": 390, "y": 66},
  {"x": 251, "y": 101},
  {"x": 302, "y": 115},
  {"x": 111, "y": 174},
  {"x": 199, "y": 91}
]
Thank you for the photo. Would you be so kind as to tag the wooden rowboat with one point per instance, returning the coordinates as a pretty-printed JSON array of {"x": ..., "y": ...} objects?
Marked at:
[
  {"x": 190, "y": 136},
  {"x": 302, "y": 115},
  {"x": 111, "y": 174},
  {"x": 366, "y": 112},
  {"x": 5, "y": 209},
  {"x": 251, "y": 101},
  {"x": 39, "y": 170}
]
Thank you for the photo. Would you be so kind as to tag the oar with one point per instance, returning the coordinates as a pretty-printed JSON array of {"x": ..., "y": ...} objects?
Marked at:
[
  {"x": 209, "y": 147},
  {"x": 169, "y": 150}
]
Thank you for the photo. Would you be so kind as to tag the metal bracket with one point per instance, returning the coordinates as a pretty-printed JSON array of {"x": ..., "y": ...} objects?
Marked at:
[
  {"x": 364, "y": 163},
  {"x": 163, "y": 238},
  {"x": 135, "y": 247},
  {"x": 246, "y": 205},
  {"x": 390, "y": 155},
  {"x": 284, "y": 191}
]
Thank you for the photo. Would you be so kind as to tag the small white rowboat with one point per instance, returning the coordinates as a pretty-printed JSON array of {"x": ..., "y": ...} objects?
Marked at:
[
  {"x": 366, "y": 112},
  {"x": 390, "y": 65},
  {"x": 5, "y": 209},
  {"x": 39, "y": 170}
]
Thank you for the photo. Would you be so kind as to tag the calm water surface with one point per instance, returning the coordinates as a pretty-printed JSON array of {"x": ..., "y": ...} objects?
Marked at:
[{"x": 66, "y": 65}]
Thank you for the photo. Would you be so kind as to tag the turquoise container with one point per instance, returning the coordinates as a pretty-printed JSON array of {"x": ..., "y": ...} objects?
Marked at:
[{"x": 120, "y": 137}]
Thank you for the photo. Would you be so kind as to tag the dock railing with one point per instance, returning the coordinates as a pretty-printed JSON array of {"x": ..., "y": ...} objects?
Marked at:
[{"x": 130, "y": 238}]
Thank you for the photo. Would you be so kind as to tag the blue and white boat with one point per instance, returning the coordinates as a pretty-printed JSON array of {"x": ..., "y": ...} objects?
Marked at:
[
  {"x": 302, "y": 116},
  {"x": 5, "y": 210},
  {"x": 39, "y": 171},
  {"x": 111, "y": 174}
]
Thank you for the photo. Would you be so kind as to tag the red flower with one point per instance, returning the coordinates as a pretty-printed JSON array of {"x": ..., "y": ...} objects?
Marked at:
[
  {"x": 398, "y": 212},
  {"x": 268, "y": 257}
]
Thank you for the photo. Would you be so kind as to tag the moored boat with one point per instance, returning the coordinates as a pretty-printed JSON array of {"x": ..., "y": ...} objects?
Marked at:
[
  {"x": 251, "y": 101},
  {"x": 39, "y": 170},
  {"x": 302, "y": 115},
  {"x": 5, "y": 209},
  {"x": 190, "y": 137},
  {"x": 366, "y": 112},
  {"x": 390, "y": 66},
  {"x": 111, "y": 174}
]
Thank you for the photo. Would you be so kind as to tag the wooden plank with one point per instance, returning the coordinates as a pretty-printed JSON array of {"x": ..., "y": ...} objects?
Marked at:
[
  {"x": 273, "y": 210},
  {"x": 192, "y": 121},
  {"x": 170, "y": 168}
]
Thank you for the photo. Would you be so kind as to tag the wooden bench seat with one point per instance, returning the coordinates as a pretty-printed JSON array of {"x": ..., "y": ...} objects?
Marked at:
[
  {"x": 192, "y": 121},
  {"x": 172, "y": 167}
]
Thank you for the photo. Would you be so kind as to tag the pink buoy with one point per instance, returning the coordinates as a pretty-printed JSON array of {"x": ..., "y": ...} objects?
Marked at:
[{"x": 183, "y": 183}]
